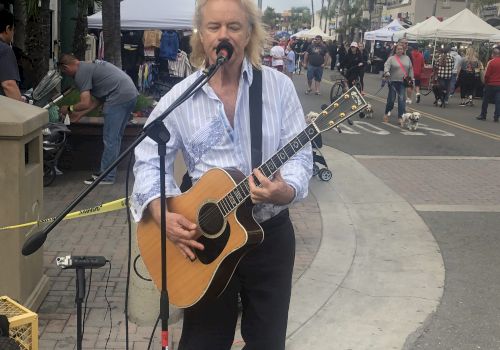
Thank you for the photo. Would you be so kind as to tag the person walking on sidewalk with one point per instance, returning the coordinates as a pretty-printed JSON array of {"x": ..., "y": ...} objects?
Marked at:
[
  {"x": 457, "y": 65},
  {"x": 362, "y": 69},
  {"x": 492, "y": 86},
  {"x": 407, "y": 50},
  {"x": 113, "y": 88},
  {"x": 399, "y": 71},
  {"x": 289, "y": 61},
  {"x": 443, "y": 68},
  {"x": 314, "y": 60},
  {"x": 217, "y": 134},
  {"x": 332, "y": 51},
  {"x": 469, "y": 76},
  {"x": 418, "y": 66},
  {"x": 278, "y": 54},
  {"x": 9, "y": 71}
]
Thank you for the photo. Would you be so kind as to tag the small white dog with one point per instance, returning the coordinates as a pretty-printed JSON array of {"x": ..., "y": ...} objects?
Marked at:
[
  {"x": 410, "y": 121},
  {"x": 367, "y": 112}
]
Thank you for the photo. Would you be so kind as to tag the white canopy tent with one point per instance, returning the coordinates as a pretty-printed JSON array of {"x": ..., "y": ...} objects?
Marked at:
[
  {"x": 384, "y": 33},
  {"x": 495, "y": 38},
  {"x": 415, "y": 32},
  {"x": 300, "y": 33},
  {"x": 463, "y": 26},
  {"x": 311, "y": 33},
  {"x": 151, "y": 14}
]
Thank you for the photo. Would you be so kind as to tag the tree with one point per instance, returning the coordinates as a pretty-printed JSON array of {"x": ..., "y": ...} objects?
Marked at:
[
  {"x": 328, "y": 14},
  {"x": 312, "y": 11},
  {"x": 37, "y": 36},
  {"x": 321, "y": 13},
  {"x": 269, "y": 17},
  {"x": 300, "y": 18},
  {"x": 111, "y": 28},
  {"x": 81, "y": 29}
]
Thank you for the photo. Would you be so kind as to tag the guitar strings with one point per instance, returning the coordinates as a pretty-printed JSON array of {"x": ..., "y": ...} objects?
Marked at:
[{"x": 321, "y": 122}]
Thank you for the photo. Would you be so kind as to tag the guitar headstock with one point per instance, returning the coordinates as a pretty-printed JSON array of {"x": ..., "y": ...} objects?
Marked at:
[{"x": 347, "y": 105}]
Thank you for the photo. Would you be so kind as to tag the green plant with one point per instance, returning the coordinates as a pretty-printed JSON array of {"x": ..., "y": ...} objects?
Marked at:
[{"x": 143, "y": 102}]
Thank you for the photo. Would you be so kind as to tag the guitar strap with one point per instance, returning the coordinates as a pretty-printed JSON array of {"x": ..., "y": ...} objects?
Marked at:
[{"x": 255, "y": 102}]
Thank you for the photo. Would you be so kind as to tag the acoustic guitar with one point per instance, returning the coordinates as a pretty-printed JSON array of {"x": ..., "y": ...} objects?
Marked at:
[{"x": 219, "y": 203}]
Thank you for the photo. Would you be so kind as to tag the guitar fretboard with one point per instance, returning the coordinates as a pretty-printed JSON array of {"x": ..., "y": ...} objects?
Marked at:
[{"x": 241, "y": 192}]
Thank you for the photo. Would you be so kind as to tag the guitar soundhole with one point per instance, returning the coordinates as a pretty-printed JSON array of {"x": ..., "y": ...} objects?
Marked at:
[
  {"x": 210, "y": 219},
  {"x": 215, "y": 235}
]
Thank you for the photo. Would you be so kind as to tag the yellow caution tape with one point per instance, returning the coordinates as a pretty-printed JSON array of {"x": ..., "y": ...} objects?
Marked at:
[{"x": 103, "y": 208}]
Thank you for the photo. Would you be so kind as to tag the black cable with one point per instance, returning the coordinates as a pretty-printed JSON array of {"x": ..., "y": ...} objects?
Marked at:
[
  {"x": 129, "y": 256},
  {"x": 85, "y": 306},
  {"x": 109, "y": 305},
  {"x": 153, "y": 332},
  {"x": 137, "y": 272}
]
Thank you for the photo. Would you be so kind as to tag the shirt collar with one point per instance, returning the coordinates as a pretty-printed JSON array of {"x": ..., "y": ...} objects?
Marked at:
[
  {"x": 247, "y": 70},
  {"x": 246, "y": 74}
]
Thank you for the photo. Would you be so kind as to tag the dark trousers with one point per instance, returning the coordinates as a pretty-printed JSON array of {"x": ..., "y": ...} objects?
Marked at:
[
  {"x": 467, "y": 84},
  {"x": 264, "y": 280},
  {"x": 491, "y": 93},
  {"x": 334, "y": 62},
  {"x": 361, "y": 77},
  {"x": 444, "y": 84}
]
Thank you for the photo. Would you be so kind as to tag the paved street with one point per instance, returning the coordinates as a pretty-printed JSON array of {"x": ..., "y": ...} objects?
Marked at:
[
  {"x": 394, "y": 252},
  {"x": 447, "y": 172}
]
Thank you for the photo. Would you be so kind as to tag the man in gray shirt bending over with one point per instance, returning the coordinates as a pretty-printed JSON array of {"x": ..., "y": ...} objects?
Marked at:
[{"x": 108, "y": 85}]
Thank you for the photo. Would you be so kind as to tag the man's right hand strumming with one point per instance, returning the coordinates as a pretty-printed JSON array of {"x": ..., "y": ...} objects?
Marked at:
[{"x": 182, "y": 232}]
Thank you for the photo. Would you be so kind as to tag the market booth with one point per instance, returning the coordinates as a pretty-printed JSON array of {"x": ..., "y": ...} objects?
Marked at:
[
  {"x": 464, "y": 26},
  {"x": 385, "y": 33}
]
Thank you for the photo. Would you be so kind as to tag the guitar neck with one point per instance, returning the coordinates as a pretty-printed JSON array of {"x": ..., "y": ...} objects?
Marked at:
[{"x": 241, "y": 192}]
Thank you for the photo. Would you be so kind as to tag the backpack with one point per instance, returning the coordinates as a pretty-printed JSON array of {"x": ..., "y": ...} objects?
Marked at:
[{"x": 169, "y": 45}]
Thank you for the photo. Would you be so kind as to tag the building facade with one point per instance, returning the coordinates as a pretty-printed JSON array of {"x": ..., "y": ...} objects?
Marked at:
[{"x": 410, "y": 12}]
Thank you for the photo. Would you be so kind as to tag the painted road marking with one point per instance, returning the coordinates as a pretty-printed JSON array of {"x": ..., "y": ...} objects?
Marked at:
[
  {"x": 434, "y": 117},
  {"x": 464, "y": 127}
]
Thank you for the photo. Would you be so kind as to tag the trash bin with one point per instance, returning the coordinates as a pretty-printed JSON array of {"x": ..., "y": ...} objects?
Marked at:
[{"x": 21, "y": 185}]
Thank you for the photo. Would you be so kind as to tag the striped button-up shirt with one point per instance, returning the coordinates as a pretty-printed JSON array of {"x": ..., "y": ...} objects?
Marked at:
[{"x": 200, "y": 129}]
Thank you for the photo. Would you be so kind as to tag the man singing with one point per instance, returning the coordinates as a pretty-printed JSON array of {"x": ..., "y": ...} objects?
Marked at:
[{"x": 212, "y": 129}]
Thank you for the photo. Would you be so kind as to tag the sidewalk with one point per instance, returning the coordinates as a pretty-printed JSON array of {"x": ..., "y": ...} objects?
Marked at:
[{"x": 367, "y": 273}]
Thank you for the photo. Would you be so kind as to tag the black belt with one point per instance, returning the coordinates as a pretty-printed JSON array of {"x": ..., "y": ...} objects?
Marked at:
[{"x": 276, "y": 220}]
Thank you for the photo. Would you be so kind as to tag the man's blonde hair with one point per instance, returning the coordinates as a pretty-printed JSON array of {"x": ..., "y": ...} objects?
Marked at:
[{"x": 257, "y": 34}]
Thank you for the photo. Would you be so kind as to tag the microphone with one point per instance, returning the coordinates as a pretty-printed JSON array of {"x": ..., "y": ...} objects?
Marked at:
[
  {"x": 76, "y": 262},
  {"x": 34, "y": 242},
  {"x": 224, "y": 51}
]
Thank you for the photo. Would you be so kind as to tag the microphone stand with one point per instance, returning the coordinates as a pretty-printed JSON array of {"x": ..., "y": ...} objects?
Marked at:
[{"x": 159, "y": 133}]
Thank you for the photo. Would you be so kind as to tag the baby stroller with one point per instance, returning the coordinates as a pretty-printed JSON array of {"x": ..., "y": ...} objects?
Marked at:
[
  {"x": 323, "y": 172},
  {"x": 55, "y": 135}
]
